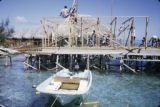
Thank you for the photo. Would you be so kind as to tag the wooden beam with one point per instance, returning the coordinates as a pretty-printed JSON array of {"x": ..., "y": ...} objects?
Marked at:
[
  {"x": 146, "y": 32},
  {"x": 94, "y": 104},
  {"x": 133, "y": 70},
  {"x": 132, "y": 34},
  {"x": 82, "y": 31},
  {"x": 88, "y": 62},
  {"x": 30, "y": 66},
  {"x": 60, "y": 65},
  {"x": 97, "y": 34},
  {"x": 102, "y": 17}
]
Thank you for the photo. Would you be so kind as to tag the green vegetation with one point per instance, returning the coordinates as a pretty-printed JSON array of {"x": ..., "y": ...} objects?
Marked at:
[{"x": 5, "y": 31}]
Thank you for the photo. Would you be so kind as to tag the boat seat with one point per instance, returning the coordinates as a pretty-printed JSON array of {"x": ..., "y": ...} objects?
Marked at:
[
  {"x": 73, "y": 80},
  {"x": 69, "y": 86}
]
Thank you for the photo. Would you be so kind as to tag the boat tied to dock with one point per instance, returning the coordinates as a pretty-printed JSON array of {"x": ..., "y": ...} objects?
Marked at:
[{"x": 66, "y": 82}]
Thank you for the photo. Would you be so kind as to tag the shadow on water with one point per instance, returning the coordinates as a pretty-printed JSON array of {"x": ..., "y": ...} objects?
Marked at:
[
  {"x": 47, "y": 101},
  {"x": 74, "y": 103}
]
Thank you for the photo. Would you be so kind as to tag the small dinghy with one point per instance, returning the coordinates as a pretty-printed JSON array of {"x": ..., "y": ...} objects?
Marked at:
[{"x": 66, "y": 82}]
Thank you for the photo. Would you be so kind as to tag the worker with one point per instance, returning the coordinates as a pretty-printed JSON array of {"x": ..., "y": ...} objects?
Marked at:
[
  {"x": 76, "y": 66},
  {"x": 64, "y": 12},
  {"x": 93, "y": 38},
  {"x": 143, "y": 42},
  {"x": 154, "y": 40},
  {"x": 103, "y": 41}
]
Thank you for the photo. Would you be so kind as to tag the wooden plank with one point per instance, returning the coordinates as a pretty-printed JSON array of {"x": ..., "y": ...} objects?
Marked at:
[
  {"x": 30, "y": 66},
  {"x": 95, "y": 103},
  {"x": 77, "y": 78},
  {"x": 68, "y": 79},
  {"x": 129, "y": 68},
  {"x": 69, "y": 86},
  {"x": 147, "y": 60}
]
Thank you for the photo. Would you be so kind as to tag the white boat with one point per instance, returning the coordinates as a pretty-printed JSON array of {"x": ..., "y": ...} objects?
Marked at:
[{"x": 67, "y": 83}]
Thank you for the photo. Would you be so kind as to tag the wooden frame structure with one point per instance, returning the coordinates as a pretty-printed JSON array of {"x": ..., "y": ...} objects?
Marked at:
[{"x": 77, "y": 33}]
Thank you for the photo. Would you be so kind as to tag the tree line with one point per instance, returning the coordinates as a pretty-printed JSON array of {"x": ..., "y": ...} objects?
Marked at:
[{"x": 5, "y": 30}]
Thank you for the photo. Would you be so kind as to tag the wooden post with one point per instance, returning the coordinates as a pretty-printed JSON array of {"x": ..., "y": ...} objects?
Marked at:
[
  {"x": 39, "y": 62},
  {"x": 48, "y": 39},
  {"x": 146, "y": 32},
  {"x": 53, "y": 35},
  {"x": 87, "y": 62},
  {"x": 132, "y": 34},
  {"x": 10, "y": 58},
  {"x": 136, "y": 65},
  {"x": 57, "y": 61},
  {"x": 6, "y": 63},
  {"x": 71, "y": 60},
  {"x": 69, "y": 38},
  {"x": 27, "y": 62},
  {"x": 111, "y": 37},
  {"x": 97, "y": 35},
  {"x": 124, "y": 37},
  {"x": 42, "y": 36},
  {"x": 82, "y": 31},
  {"x": 73, "y": 35},
  {"x": 45, "y": 38},
  {"x": 45, "y": 41},
  {"x": 87, "y": 38},
  {"x": 121, "y": 63},
  {"x": 100, "y": 61},
  {"x": 76, "y": 39},
  {"x": 129, "y": 38},
  {"x": 115, "y": 24},
  {"x": 141, "y": 65},
  {"x": 56, "y": 36}
]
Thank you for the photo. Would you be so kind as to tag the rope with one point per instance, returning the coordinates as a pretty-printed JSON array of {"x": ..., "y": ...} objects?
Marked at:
[{"x": 55, "y": 100}]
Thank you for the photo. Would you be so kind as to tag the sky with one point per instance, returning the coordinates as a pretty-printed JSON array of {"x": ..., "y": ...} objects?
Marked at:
[{"x": 25, "y": 14}]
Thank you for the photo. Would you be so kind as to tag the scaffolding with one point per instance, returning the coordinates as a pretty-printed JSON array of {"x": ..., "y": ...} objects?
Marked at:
[{"x": 119, "y": 33}]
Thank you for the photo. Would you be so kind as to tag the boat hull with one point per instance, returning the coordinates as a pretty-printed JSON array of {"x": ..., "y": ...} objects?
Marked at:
[{"x": 68, "y": 85}]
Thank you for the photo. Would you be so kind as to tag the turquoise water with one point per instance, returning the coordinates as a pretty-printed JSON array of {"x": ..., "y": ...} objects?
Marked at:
[{"x": 110, "y": 89}]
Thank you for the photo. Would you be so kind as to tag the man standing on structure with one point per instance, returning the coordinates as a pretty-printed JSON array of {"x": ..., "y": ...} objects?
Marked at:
[
  {"x": 154, "y": 40},
  {"x": 93, "y": 38},
  {"x": 143, "y": 42},
  {"x": 64, "y": 12}
]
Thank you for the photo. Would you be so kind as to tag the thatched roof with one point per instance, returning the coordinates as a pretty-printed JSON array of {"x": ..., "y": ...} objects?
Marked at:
[{"x": 61, "y": 27}]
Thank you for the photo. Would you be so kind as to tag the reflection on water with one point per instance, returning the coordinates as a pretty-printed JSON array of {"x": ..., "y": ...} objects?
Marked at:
[{"x": 110, "y": 89}]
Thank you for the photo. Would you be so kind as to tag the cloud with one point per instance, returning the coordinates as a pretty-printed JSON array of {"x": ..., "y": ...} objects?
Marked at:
[{"x": 21, "y": 19}]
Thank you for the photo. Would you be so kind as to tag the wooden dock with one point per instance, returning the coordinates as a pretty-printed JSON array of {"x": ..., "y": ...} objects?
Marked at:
[
  {"x": 68, "y": 40},
  {"x": 96, "y": 51}
]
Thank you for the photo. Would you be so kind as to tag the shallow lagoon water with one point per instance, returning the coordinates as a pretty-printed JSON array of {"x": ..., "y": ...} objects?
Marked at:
[{"x": 110, "y": 89}]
